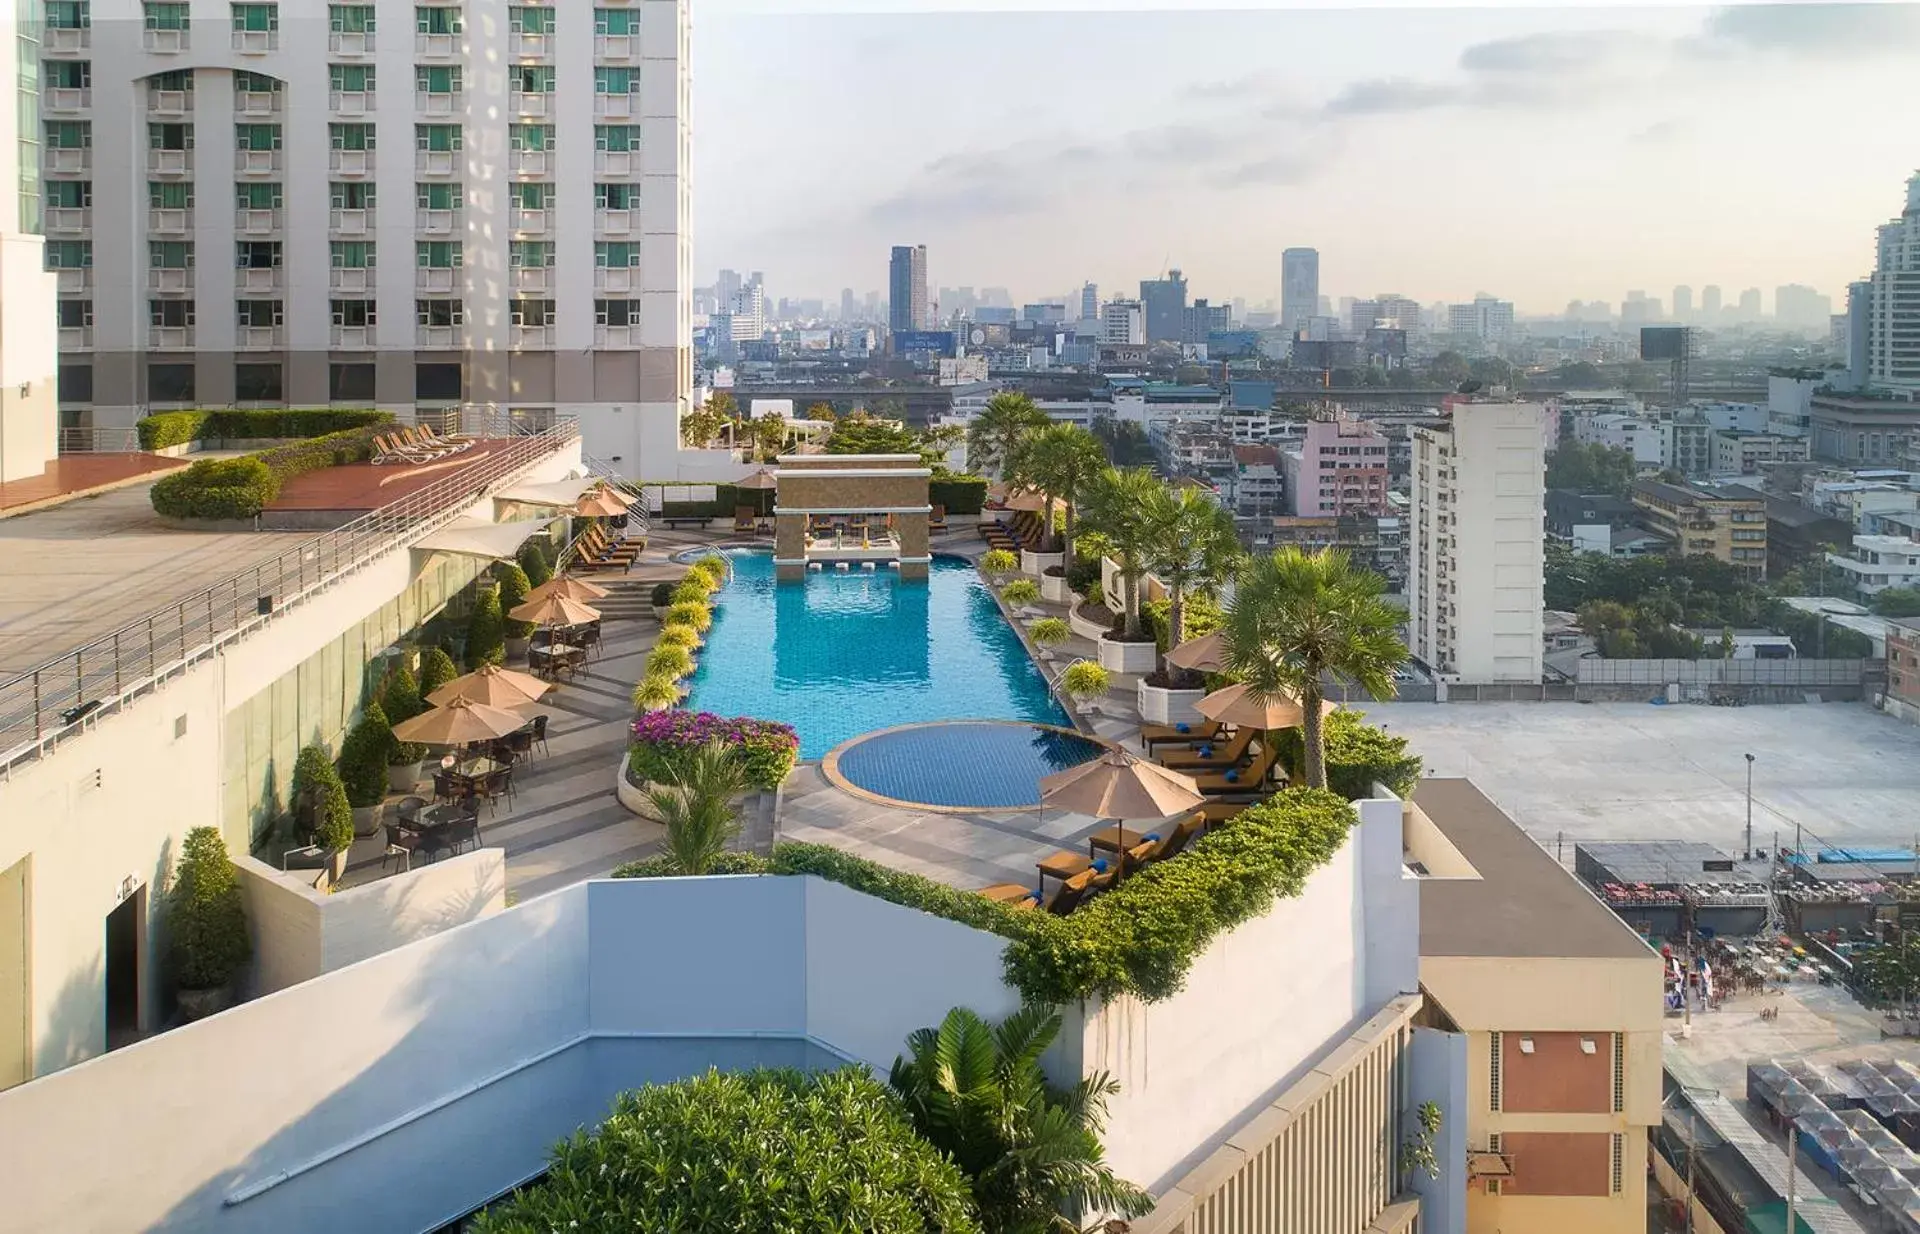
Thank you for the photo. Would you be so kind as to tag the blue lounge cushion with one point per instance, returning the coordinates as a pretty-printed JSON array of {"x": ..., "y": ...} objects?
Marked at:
[
  {"x": 1182, "y": 728},
  {"x": 1151, "y": 835},
  {"x": 1206, "y": 751},
  {"x": 1233, "y": 777},
  {"x": 1100, "y": 866}
]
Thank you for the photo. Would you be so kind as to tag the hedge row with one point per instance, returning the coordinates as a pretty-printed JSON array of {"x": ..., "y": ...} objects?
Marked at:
[
  {"x": 1139, "y": 938},
  {"x": 959, "y": 494},
  {"x": 240, "y": 488},
  {"x": 176, "y": 428}
]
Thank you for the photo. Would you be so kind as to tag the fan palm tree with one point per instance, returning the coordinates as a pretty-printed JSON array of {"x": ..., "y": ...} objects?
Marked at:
[
  {"x": 1192, "y": 546},
  {"x": 1059, "y": 460},
  {"x": 1296, "y": 617},
  {"x": 1115, "y": 514},
  {"x": 1027, "y": 1148},
  {"x": 697, "y": 807},
  {"x": 995, "y": 434}
]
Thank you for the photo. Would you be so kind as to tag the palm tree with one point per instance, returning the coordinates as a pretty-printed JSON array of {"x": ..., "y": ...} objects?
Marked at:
[
  {"x": 1027, "y": 1148},
  {"x": 996, "y": 433},
  {"x": 1115, "y": 514},
  {"x": 1192, "y": 547},
  {"x": 697, "y": 807},
  {"x": 1059, "y": 460},
  {"x": 1297, "y": 616}
]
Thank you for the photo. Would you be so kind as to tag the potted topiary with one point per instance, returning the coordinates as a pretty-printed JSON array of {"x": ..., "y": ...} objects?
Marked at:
[
  {"x": 486, "y": 631},
  {"x": 206, "y": 922},
  {"x": 662, "y": 600},
  {"x": 1020, "y": 593},
  {"x": 1048, "y": 633},
  {"x": 363, "y": 768},
  {"x": 321, "y": 808},
  {"x": 534, "y": 563},
  {"x": 436, "y": 669},
  {"x": 400, "y": 699},
  {"x": 514, "y": 586},
  {"x": 656, "y": 692},
  {"x": 1084, "y": 681}
]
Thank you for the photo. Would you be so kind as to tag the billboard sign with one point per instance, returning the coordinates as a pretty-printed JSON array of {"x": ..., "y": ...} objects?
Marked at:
[{"x": 936, "y": 342}]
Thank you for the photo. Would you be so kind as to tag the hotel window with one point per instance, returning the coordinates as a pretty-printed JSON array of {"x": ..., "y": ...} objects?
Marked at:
[
  {"x": 436, "y": 19},
  {"x": 349, "y": 196},
  {"x": 438, "y": 138},
  {"x": 170, "y": 254},
  {"x": 530, "y": 19},
  {"x": 256, "y": 83},
  {"x": 531, "y": 79},
  {"x": 180, "y": 80},
  {"x": 439, "y": 196},
  {"x": 257, "y": 255},
  {"x": 74, "y": 314},
  {"x": 617, "y": 138},
  {"x": 259, "y": 313},
  {"x": 439, "y": 313},
  {"x": 351, "y": 78},
  {"x": 257, "y": 383},
  {"x": 531, "y": 254},
  {"x": 351, "y": 254},
  {"x": 350, "y": 18},
  {"x": 169, "y": 137},
  {"x": 69, "y": 74},
  {"x": 616, "y": 196},
  {"x": 69, "y": 15},
  {"x": 616, "y": 312},
  {"x": 616, "y": 21},
  {"x": 170, "y": 314},
  {"x": 531, "y": 196},
  {"x": 530, "y": 136},
  {"x": 69, "y": 254},
  {"x": 270, "y": 196},
  {"x": 616, "y": 81},
  {"x": 532, "y": 312},
  {"x": 69, "y": 134},
  {"x": 256, "y": 18},
  {"x": 350, "y": 136},
  {"x": 256, "y": 137},
  {"x": 437, "y": 254},
  {"x": 76, "y": 194},
  {"x": 163, "y": 196},
  {"x": 354, "y": 313},
  {"x": 436, "y": 79},
  {"x": 613, "y": 254}
]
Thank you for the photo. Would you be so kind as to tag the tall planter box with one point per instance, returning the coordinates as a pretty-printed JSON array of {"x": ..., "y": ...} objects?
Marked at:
[
  {"x": 1035, "y": 564},
  {"x": 1163, "y": 706},
  {"x": 1118, "y": 657},
  {"x": 1054, "y": 589}
]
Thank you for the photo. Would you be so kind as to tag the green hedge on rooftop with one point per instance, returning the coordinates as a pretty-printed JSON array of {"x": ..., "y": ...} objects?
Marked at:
[
  {"x": 239, "y": 488},
  {"x": 1139, "y": 938},
  {"x": 177, "y": 428}
]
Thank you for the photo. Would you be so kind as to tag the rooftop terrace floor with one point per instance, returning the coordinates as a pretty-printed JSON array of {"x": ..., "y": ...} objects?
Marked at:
[
  {"x": 80, "y": 570},
  {"x": 1631, "y": 771},
  {"x": 360, "y": 487},
  {"x": 73, "y": 474}
]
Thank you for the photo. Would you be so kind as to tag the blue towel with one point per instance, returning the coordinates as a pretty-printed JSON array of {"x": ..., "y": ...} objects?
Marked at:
[
  {"x": 1182, "y": 728},
  {"x": 1100, "y": 866},
  {"x": 1151, "y": 835},
  {"x": 1233, "y": 777},
  {"x": 1206, "y": 751}
]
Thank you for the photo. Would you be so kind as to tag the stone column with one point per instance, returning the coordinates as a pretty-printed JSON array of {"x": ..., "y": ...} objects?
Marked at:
[
  {"x": 913, "y": 544},
  {"x": 790, "y": 545}
]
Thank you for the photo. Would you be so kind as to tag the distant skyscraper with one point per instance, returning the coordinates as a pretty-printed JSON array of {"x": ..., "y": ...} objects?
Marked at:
[
  {"x": 1797, "y": 305},
  {"x": 1682, "y": 303},
  {"x": 726, "y": 287},
  {"x": 1123, "y": 322},
  {"x": 1710, "y": 302},
  {"x": 1893, "y": 308},
  {"x": 1299, "y": 286},
  {"x": 1750, "y": 304},
  {"x": 1166, "y": 305},
  {"x": 1090, "y": 302},
  {"x": 849, "y": 308},
  {"x": 1486, "y": 318},
  {"x": 907, "y": 288}
]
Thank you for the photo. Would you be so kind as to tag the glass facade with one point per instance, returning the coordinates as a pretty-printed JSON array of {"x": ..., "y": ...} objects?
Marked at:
[{"x": 28, "y": 18}]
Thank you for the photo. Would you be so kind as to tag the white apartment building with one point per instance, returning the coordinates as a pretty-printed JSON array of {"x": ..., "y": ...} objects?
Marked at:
[
  {"x": 271, "y": 204},
  {"x": 1123, "y": 323},
  {"x": 1745, "y": 454},
  {"x": 1475, "y": 557},
  {"x": 1637, "y": 435},
  {"x": 1893, "y": 309},
  {"x": 1877, "y": 563},
  {"x": 28, "y": 415},
  {"x": 1487, "y": 319}
]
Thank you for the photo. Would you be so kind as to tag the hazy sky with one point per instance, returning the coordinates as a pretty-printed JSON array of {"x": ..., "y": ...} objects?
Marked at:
[{"x": 1538, "y": 154}]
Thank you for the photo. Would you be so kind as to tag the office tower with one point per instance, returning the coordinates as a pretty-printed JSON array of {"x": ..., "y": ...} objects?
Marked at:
[
  {"x": 1797, "y": 305},
  {"x": 1487, "y": 319},
  {"x": 1387, "y": 312},
  {"x": 1749, "y": 309},
  {"x": 1859, "y": 351},
  {"x": 849, "y": 307},
  {"x": 1202, "y": 318},
  {"x": 727, "y": 286},
  {"x": 1682, "y": 303},
  {"x": 748, "y": 312},
  {"x": 1165, "y": 301},
  {"x": 907, "y": 288},
  {"x": 1710, "y": 303},
  {"x": 1475, "y": 554},
  {"x": 379, "y": 212},
  {"x": 1299, "y": 287},
  {"x": 1090, "y": 302},
  {"x": 1893, "y": 334},
  {"x": 29, "y": 416},
  {"x": 1123, "y": 323}
]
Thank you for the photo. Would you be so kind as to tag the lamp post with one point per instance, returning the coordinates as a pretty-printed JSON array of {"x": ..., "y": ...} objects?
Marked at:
[{"x": 1749, "y": 807}]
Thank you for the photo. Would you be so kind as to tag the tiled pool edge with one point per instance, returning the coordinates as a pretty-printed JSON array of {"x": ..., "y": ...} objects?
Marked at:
[{"x": 830, "y": 765}]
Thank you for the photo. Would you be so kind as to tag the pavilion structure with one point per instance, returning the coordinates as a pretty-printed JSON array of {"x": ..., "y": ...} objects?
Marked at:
[{"x": 851, "y": 510}]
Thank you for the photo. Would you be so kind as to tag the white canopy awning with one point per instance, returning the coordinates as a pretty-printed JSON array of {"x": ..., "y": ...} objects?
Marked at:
[
  {"x": 552, "y": 493},
  {"x": 473, "y": 538}
]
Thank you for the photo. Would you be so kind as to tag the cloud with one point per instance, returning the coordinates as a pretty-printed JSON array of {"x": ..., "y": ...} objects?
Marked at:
[
  {"x": 1555, "y": 53},
  {"x": 1391, "y": 96},
  {"x": 1810, "y": 31},
  {"x": 1658, "y": 134}
]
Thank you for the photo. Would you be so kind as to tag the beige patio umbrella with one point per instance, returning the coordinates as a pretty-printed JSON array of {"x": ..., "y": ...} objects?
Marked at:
[
  {"x": 599, "y": 504},
  {"x": 458, "y": 723},
  {"x": 1206, "y": 654},
  {"x": 760, "y": 481},
  {"x": 1027, "y": 500},
  {"x": 492, "y": 685},
  {"x": 571, "y": 588},
  {"x": 1236, "y": 705},
  {"x": 1118, "y": 785},
  {"x": 554, "y": 610}
]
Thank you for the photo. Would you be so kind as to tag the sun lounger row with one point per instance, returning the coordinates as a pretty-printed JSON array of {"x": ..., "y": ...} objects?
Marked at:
[
  {"x": 597, "y": 548},
  {"x": 418, "y": 444},
  {"x": 1221, "y": 762},
  {"x": 1081, "y": 878},
  {"x": 997, "y": 537}
]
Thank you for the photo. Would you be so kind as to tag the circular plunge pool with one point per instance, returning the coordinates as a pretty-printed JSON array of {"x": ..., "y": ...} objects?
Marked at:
[{"x": 958, "y": 764}]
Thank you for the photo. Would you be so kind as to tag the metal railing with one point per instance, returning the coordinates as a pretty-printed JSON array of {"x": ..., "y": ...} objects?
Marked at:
[
  {"x": 64, "y": 695},
  {"x": 637, "y": 518},
  {"x": 99, "y": 440}
]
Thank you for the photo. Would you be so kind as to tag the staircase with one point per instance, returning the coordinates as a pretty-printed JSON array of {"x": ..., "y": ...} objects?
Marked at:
[{"x": 627, "y": 599}]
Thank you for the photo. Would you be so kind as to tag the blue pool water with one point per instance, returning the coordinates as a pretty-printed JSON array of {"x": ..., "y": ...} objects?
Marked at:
[
  {"x": 847, "y": 653},
  {"x": 986, "y": 766}
]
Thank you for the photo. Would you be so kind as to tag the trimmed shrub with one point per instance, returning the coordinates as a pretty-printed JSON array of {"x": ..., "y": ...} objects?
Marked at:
[
  {"x": 1085, "y": 573},
  {"x": 206, "y": 915},
  {"x": 664, "y": 739},
  {"x": 699, "y": 616},
  {"x": 669, "y": 661},
  {"x": 676, "y": 635},
  {"x": 1203, "y": 617},
  {"x": 663, "y": 594},
  {"x": 170, "y": 428},
  {"x": 436, "y": 669},
  {"x": 747, "y": 1150},
  {"x": 514, "y": 586},
  {"x": 1142, "y": 937},
  {"x": 714, "y": 567},
  {"x": 363, "y": 758},
  {"x": 321, "y": 799},
  {"x": 960, "y": 494},
  {"x": 216, "y": 488},
  {"x": 1050, "y": 631},
  {"x": 1021, "y": 591},
  {"x": 400, "y": 698},
  {"x": 1086, "y": 680},
  {"x": 655, "y": 691},
  {"x": 693, "y": 589},
  {"x": 534, "y": 562},
  {"x": 998, "y": 563},
  {"x": 1358, "y": 757},
  {"x": 486, "y": 631}
]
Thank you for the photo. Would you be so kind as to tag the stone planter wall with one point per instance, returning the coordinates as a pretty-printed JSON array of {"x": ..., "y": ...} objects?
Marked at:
[
  {"x": 1084, "y": 628},
  {"x": 1161, "y": 706},
  {"x": 405, "y": 777},
  {"x": 1128, "y": 657},
  {"x": 1053, "y": 588},
  {"x": 1034, "y": 563},
  {"x": 632, "y": 796}
]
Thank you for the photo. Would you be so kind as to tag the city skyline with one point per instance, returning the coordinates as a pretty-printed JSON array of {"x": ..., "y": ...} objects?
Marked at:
[{"x": 1633, "y": 149}]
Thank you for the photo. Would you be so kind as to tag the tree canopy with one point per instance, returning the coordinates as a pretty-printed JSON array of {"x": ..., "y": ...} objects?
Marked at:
[
  {"x": 1590, "y": 467},
  {"x": 1125, "y": 442}
]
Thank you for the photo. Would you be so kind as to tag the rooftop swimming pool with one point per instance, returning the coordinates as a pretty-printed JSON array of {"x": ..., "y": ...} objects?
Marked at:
[
  {"x": 849, "y": 652},
  {"x": 959, "y": 764}
]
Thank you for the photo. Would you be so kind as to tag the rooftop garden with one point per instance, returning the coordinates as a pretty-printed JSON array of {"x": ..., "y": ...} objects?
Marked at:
[
  {"x": 239, "y": 488},
  {"x": 179, "y": 428}
]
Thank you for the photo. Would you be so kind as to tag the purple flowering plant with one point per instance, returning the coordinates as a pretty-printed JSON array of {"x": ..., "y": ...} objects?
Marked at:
[{"x": 663, "y": 740}]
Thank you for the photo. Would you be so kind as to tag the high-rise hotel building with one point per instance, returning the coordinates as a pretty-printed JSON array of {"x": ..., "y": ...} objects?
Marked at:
[{"x": 401, "y": 205}]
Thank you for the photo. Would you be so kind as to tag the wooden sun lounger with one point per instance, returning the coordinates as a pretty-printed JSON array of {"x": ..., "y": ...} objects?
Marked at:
[
  {"x": 1152, "y": 735},
  {"x": 1244, "y": 781},
  {"x": 1231, "y": 754}
]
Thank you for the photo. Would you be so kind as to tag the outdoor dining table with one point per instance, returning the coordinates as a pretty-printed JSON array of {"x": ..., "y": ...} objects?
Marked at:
[{"x": 475, "y": 768}]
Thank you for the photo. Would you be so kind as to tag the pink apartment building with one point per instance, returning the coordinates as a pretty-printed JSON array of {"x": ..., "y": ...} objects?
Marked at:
[{"x": 1340, "y": 468}]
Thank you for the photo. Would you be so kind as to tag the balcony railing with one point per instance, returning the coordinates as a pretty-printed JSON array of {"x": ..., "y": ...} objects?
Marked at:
[
  {"x": 257, "y": 102},
  {"x": 341, "y": 43},
  {"x": 615, "y": 47},
  {"x": 67, "y": 98},
  {"x": 616, "y": 106},
  {"x": 434, "y": 162},
  {"x": 345, "y": 222},
  {"x": 169, "y": 220},
  {"x": 530, "y": 222},
  {"x": 523, "y": 46},
  {"x": 169, "y": 338},
  {"x": 256, "y": 42},
  {"x": 250, "y": 222},
  {"x": 350, "y": 162},
  {"x": 260, "y": 338},
  {"x": 256, "y": 162},
  {"x": 435, "y": 222},
  {"x": 354, "y": 336},
  {"x": 614, "y": 162},
  {"x": 169, "y": 103},
  {"x": 613, "y": 222},
  {"x": 69, "y": 161},
  {"x": 435, "y": 278},
  {"x": 436, "y": 46},
  {"x": 615, "y": 278},
  {"x": 436, "y": 103},
  {"x": 66, "y": 40},
  {"x": 530, "y": 103},
  {"x": 72, "y": 692},
  {"x": 349, "y": 102},
  {"x": 170, "y": 162},
  {"x": 74, "y": 282}
]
